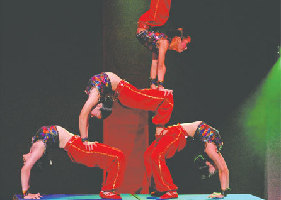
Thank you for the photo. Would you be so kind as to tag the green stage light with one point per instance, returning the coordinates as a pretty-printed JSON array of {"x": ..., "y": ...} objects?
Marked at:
[{"x": 260, "y": 115}]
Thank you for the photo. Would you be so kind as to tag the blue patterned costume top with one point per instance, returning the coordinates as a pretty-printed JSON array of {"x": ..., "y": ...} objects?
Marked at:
[
  {"x": 102, "y": 83},
  {"x": 48, "y": 134},
  {"x": 206, "y": 133}
]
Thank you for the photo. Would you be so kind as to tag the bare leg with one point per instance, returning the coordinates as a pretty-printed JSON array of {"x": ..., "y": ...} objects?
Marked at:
[
  {"x": 153, "y": 70},
  {"x": 161, "y": 75},
  {"x": 163, "y": 47}
]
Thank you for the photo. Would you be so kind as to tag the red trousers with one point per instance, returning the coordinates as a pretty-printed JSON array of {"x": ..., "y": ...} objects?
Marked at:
[
  {"x": 110, "y": 159},
  {"x": 155, "y": 157},
  {"x": 157, "y": 15},
  {"x": 146, "y": 99}
]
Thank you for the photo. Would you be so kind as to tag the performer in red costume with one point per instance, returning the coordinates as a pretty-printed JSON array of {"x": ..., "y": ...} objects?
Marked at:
[
  {"x": 173, "y": 139},
  {"x": 105, "y": 87},
  {"x": 112, "y": 160},
  {"x": 157, "y": 41}
]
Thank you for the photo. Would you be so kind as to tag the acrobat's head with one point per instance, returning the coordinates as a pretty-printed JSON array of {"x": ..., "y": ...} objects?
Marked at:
[
  {"x": 179, "y": 40},
  {"x": 36, "y": 156},
  {"x": 205, "y": 166},
  {"x": 103, "y": 110}
]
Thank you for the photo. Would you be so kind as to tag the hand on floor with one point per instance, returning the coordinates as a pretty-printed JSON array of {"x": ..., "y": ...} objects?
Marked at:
[
  {"x": 33, "y": 196},
  {"x": 216, "y": 195}
]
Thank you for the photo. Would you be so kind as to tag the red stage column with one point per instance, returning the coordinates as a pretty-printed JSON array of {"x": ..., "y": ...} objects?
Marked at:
[{"x": 127, "y": 129}]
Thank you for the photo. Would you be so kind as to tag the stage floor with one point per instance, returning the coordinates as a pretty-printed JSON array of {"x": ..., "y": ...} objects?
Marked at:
[{"x": 143, "y": 197}]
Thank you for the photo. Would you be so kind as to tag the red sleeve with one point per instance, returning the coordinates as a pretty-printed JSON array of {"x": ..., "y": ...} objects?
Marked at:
[{"x": 158, "y": 13}]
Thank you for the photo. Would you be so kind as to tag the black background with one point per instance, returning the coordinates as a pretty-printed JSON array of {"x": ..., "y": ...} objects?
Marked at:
[{"x": 49, "y": 49}]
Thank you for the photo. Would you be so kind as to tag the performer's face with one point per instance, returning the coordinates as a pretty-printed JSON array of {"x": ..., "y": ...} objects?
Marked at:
[
  {"x": 212, "y": 168},
  {"x": 183, "y": 45},
  {"x": 25, "y": 157},
  {"x": 96, "y": 111},
  {"x": 36, "y": 151}
]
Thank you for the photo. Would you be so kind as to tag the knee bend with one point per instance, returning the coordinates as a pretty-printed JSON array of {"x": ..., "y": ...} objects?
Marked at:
[
  {"x": 155, "y": 156},
  {"x": 161, "y": 67},
  {"x": 121, "y": 156},
  {"x": 169, "y": 101}
]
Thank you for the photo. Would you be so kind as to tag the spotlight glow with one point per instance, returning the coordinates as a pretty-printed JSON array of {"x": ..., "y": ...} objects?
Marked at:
[{"x": 261, "y": 113}]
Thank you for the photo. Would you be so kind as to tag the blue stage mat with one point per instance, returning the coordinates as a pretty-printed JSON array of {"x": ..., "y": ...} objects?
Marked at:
[{"x": 142, "y": 197}]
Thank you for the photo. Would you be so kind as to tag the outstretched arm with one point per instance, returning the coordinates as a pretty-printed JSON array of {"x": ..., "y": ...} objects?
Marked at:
[
  {"x": 86, "y": 110},
  {"x": 220, "y": 163},
  {"x": 36, "y": 152}
]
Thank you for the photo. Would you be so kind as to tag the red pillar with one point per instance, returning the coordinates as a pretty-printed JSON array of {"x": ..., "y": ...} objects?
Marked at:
[{"x": 126, "y": 129}]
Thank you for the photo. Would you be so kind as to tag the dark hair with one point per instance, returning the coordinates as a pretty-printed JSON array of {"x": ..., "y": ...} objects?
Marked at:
[
  {"x": 177, "y": 33},
  {"x": 174, "y": 33},
  {"x": 203, "y": 169},
  {"x": 106, "y": 108},
  {"x": 43, "y": 163}
]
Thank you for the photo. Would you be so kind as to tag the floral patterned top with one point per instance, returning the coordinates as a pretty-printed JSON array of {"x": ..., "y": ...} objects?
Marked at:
[
  {"x": 206, "y": 133},
  {"x": 48, "y": 134},
  {"x": 102, "y": 83}
]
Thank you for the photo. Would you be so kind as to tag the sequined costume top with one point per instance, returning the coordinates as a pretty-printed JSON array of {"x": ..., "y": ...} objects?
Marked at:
[
  {"x": 48, "y": 134},
  {"x": 102, "y": 83},
  {"x": 149, "y": 38},
  {"x": 206, "y": 133}
]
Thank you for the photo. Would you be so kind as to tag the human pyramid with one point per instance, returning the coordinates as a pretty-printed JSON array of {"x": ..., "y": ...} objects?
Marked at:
[{"x": 106, "y": 87}]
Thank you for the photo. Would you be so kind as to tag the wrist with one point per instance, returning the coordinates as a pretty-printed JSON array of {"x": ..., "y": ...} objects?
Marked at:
[
  {"x": 225, "y": 192},
  {"x": 161, "y": 83},
  {"x": 153, "y": 81},
  {"x": 25, "y": 193},
  {"x": 85, "y": 139}
]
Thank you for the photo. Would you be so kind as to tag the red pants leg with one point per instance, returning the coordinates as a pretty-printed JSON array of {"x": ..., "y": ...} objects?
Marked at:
[
  {"x": 158, "y": 13},
  {"x": 157, "y": 154},
  {"x": 115, "y": 170},
  {"x": 161, "y": 173},
  {"x": 148, "y": 163},
  {"x": 107, "y": 158},
  {"x": 147, "y": 99}
]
